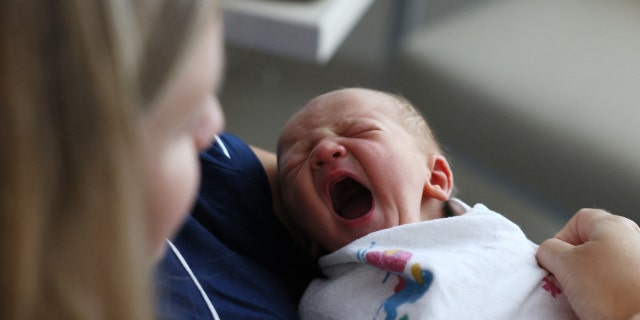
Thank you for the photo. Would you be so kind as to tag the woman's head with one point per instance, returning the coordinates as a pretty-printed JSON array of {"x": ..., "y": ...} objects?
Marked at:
[
  {"x": 181, "y": 116},
  {"x": 84, "y": 87}
]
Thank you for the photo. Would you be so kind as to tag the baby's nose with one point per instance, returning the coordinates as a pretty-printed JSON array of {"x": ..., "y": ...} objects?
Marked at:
[{"x": 326, "y": 152}]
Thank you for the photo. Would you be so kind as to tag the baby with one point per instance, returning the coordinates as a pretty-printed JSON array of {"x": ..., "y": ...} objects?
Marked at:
[{"x": 364, "y": 180}]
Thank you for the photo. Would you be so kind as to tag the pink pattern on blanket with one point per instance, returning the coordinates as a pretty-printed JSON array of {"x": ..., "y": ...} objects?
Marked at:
[
  {"x": 390, "y": 260},
  {"x": 552, "y": 286}
]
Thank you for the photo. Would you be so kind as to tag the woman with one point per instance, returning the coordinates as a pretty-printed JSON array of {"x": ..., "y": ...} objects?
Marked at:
[{"x": 102, "y": 103}]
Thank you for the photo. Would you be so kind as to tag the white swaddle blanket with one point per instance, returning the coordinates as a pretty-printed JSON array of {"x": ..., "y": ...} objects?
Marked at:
[{"x": 475, "y": 266}]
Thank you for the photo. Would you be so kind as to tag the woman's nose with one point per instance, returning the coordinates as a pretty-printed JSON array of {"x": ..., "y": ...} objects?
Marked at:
[
  {"x": 326, "y": 152},
  {"x": 210, "y": 123}
]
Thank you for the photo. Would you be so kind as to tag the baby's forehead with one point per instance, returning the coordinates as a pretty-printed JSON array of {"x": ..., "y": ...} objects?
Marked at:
[
  {"x": 351, "y": 102},
  {"x": 341, "y": 108}
]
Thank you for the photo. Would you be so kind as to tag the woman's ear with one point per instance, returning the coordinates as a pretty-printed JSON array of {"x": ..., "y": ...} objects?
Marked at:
[{"x": 440, "y": 183}]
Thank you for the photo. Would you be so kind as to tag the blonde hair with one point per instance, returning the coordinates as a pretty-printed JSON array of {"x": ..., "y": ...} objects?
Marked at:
[{"x": 75, "y": 76}]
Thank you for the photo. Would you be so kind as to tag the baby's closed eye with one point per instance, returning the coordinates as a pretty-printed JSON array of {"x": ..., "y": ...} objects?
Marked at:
[{"x": 360, "y": 130}]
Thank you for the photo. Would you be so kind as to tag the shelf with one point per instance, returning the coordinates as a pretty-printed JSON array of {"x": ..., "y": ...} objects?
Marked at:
[{"x": 303, "y": 30}]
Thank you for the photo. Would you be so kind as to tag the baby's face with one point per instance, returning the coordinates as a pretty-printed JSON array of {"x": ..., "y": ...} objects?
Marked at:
[{"x": 348, "y": 167}]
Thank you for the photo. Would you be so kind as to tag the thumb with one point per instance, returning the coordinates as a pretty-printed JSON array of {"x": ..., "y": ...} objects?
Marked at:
[{"x": 552, "y": 256}]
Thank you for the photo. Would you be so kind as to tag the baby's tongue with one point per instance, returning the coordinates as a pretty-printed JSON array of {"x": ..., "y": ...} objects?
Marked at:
[
  {"x": 350, "y": 199},
  {"x": 356, "y": 207}
]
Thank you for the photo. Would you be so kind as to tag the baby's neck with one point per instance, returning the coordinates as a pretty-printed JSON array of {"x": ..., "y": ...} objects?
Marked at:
[
  {"x": 447, "y": 209},
  {"x": 452, "y": 208},
  {"x": 436, "y": 209}
]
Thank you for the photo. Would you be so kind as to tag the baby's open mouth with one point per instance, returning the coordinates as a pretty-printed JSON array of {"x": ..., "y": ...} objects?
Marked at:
[{"x": 350, "y": 199}]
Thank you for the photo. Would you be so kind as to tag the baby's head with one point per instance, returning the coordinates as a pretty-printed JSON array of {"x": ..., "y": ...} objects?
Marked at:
[{"x": 354, "y": 161}]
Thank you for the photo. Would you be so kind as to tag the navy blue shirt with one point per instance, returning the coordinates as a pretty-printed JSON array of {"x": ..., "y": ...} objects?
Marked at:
[{"x": 241, "y": 255}]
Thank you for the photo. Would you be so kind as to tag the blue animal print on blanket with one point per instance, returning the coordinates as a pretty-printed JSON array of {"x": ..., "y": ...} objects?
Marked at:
[{"x": 409, "y": 289}]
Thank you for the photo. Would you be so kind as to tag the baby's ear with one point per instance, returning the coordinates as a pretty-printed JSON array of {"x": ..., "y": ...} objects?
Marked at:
[{"x": 440, "y": 182}]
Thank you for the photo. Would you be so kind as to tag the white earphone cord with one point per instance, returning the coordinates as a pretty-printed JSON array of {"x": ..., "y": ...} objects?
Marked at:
[{"x": 184, "y": 263}]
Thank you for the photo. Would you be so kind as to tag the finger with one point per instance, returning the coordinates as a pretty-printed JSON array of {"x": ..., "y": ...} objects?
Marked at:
[
  {"x": 580, "y": 227},
  {"x": 551, "y": 255},
  {"x": 630, "y": 223}
]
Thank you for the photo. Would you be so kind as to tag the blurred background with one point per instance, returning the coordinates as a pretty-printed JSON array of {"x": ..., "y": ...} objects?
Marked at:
[{"x": 535, "y": 101}]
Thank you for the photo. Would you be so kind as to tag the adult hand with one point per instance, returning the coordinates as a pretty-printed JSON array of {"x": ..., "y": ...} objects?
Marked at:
[{"x": 596, "y": 260}]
